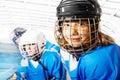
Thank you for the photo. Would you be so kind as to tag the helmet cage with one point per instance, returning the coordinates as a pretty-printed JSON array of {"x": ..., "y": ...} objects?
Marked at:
[
  {"x": 23, "y": 47},
  {"x": 34, "y": 56},
  {"x": 85, "y": 46}
]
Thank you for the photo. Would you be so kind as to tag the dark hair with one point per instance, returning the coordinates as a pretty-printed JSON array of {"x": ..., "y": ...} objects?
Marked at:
[{"x": 105, "y": 39}]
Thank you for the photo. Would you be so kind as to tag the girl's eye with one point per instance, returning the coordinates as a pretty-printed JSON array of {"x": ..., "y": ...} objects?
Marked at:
[
  {"x": 33, "y": 43},
  {"x": 24, "y": 45},
  {"x": 67, "y": 25}
]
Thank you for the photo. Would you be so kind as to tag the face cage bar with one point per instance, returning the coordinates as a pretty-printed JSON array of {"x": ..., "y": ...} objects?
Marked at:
[
  {"x": 93, "y": 34},
  {"x": 23, "y": 50}
]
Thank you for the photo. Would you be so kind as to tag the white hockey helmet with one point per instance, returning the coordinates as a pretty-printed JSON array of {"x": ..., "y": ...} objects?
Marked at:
[{"x": 32, "y": 37}]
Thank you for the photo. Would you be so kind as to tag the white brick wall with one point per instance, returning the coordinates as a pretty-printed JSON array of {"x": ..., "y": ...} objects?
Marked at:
[{"x": 26, "y": 13}]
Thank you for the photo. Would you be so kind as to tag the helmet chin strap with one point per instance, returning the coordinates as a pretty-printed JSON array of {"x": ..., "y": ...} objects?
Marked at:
[{"x": 37, "y": 56}]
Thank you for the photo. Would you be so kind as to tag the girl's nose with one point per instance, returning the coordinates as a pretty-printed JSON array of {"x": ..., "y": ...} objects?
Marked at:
[
  {"x": 29, "y": 47},
  {"x": 74, "y": 31}
]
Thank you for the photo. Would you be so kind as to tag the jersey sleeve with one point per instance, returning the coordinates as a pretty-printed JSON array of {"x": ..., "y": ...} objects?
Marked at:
[{"x": 55, "y": 66}]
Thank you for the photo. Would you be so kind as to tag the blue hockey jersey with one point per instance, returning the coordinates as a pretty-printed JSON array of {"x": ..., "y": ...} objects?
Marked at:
[
  {"x": 51, "y": 61},
  {"x": 102, "y": 63}
]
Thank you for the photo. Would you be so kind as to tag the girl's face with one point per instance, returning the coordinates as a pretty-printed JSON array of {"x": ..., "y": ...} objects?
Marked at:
[
  {"x": 31, "y": 49},
  {"x": 75, "y": 32}
]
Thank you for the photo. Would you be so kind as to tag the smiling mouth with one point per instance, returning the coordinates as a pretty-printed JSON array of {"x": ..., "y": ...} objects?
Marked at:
[
  {"x": 30, "y": 52},
  {"x": 75, "y": 39}
]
